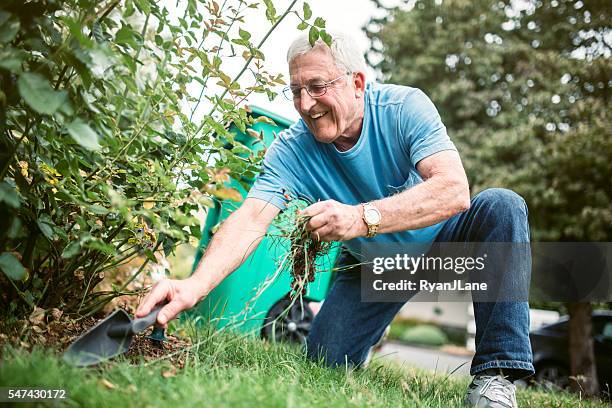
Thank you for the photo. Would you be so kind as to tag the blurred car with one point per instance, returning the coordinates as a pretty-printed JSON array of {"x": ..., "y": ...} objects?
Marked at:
[{"x": 550, "y": 344}]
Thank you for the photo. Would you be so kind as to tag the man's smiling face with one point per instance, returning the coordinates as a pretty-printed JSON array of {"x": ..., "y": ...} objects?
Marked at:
[{"x": 336, "y": 116}]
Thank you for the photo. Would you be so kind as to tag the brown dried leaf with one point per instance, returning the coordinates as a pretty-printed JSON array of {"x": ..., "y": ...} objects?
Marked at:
[
  {"x": 107, "y": 383},
  {"x": 37, "y": 316},
  {"x": 255, "y": 134},
  {"x": 55, "y": 327},
  {"x": 79, "y": 273},
  {"x": 169, "y": 373},
  {"x": 220, "y": 175},
  {"x": 225, "y": 193},
  {"x": 56, "y": 313},
  {"x": 148, "y": 204}
]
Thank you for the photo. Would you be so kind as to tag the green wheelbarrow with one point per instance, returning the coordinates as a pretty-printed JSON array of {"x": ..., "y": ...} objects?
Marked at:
[{"x": 254, "y": 299}]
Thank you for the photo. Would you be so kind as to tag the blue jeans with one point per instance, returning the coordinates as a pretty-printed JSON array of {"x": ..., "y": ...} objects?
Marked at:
[{"x": 345, "y": 328}]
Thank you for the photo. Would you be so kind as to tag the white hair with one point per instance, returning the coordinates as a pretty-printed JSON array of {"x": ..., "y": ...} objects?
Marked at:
[{"x": 344, "y": 51}]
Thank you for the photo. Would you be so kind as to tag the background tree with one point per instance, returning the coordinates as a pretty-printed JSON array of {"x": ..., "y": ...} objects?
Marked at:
[{"x": 523, "y": 88}]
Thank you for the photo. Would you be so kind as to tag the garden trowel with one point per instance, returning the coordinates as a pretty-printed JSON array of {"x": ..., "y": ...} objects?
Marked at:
[{"x": 109, "y": 338}]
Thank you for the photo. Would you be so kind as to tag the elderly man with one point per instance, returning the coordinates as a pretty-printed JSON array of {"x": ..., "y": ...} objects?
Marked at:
[{"x": 379, "y": 163}]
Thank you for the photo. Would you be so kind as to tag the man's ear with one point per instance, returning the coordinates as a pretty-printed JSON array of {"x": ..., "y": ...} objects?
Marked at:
[{"x": 359, "y": 83}]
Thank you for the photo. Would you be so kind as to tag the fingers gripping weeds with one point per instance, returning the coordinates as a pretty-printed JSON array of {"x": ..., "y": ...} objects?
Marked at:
[
  {"x": 333, "y": 221},
  {"x": 304, "y": 252}
]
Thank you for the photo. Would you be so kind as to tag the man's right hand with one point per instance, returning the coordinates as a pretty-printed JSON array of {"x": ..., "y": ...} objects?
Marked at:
[
  {"x": 180, "y": 295},
  {"x": 237, "y": 237}
]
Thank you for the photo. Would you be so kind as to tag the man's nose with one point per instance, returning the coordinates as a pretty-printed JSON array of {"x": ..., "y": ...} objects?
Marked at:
[{"x": 306, "y": 101}]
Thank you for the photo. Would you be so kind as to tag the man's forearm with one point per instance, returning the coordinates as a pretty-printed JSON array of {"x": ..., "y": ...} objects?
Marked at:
[
  {"x": 231, "y": 245},
  {"x": 425, "y": 204}
]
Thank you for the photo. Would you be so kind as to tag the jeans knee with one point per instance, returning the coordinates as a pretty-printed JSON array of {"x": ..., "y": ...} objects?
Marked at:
[{"x": 503, "y": 200}]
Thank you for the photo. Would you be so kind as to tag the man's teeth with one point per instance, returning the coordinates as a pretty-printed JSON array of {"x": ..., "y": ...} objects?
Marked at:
[{"x": 317, "y": 115}]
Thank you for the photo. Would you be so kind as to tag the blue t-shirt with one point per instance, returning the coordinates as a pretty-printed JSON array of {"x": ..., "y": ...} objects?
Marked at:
[{"x": 401, "y": 126}]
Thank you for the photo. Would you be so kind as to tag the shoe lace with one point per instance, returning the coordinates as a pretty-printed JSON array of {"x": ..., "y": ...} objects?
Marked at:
[{"x": 499, "y": 389}]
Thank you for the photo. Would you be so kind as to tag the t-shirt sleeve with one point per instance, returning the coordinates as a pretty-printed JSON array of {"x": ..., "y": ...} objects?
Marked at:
[
  {"x": 422, "y": 132},
  {"x": 276, "y": 179}
]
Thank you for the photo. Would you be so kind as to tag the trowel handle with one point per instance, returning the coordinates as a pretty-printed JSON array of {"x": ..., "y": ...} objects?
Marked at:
[{"x": 142, "y": 323}]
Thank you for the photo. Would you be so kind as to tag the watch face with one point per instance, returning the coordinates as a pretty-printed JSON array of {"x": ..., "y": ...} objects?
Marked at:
[{"x": 371, "y": 216}]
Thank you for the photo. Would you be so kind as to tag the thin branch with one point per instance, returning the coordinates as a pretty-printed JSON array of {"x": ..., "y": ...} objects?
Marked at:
[{"x": 188, "y": 146}]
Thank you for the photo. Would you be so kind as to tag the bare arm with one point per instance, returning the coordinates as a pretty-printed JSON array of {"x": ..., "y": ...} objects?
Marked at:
[
  {"x": 236, "y": 239},
  {"x": 443, "y": 193},
  {"x": 232, "y": 244}
]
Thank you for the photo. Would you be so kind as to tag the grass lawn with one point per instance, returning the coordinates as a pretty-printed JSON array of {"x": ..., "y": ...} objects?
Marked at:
[{"x": 226, "y": 370}]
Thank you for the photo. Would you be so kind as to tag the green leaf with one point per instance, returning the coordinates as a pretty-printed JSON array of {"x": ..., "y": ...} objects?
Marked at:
[
  {"x": 15, "y": 229},
  {"x": 327, "y": 39},
  {"x": 11, "y": 266},
  {"x": 149, "y": 254},
  {"x": 11, "y": 59},
  {"x": 98, "y": 209},
  {"x": 129, "y": 8},
  {"x": 196, "y": 231},
  {"x": 37, "y": 91},
  {"x": 76, "y": 29},
  {"x": 127, "y": 36},
  {"x": 307, "y": 11},
  {"x": 9, "y": 195},
  {"x": 46, "y": 229},
  {"x": 143, "y": 5},
  {"x": 169, "y": 244},
  {"x": 241, "y": 41},
  {"x": 83, "y": 134},
  {"x": 9, "y": 27},
  {"x": 101, "y": 246},
  {"x": 302, "y": 26},
  {"x": 313, "y": 35},
  {"x": 97, "y": 32},
  {"x": 319, "y": 22},
  {"x": 270, "y": 11},
  {"x": 71, "y": 249},
  {"x": 245, "y": 35}
]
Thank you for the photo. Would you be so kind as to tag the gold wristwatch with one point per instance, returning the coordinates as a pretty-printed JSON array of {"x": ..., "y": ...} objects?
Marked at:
[{"x": 372, "y": 217}]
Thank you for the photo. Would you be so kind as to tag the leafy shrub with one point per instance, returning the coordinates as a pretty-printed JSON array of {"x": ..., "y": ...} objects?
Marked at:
[
  {"x": 424, "y": 334},
  {"x": 105, "y": 153}
]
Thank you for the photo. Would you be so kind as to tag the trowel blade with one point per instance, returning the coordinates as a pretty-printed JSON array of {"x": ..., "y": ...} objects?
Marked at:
[{"x": 96, "y": 345}]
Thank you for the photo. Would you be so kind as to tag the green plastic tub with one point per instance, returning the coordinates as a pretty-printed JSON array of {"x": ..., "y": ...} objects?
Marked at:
[{"x": 249, "y": 300}]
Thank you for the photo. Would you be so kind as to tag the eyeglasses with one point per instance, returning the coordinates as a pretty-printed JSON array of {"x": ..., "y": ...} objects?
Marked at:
[{"x": 315, "y": 90}]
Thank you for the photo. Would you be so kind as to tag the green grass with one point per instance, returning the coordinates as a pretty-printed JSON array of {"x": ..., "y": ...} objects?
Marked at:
[{"x": 225, "y": 370}]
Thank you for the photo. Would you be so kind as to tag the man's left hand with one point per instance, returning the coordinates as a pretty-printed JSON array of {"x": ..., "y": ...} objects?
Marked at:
[{"x": 334, "y": 221}]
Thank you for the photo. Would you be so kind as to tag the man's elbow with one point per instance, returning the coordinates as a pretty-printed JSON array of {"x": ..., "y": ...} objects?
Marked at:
[{"x": 460, "y": 200}]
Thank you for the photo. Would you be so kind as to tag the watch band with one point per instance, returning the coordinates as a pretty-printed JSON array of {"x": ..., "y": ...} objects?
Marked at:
[
  {"x": 372, "y": 230},
  {"x": 372, "y": 226}
]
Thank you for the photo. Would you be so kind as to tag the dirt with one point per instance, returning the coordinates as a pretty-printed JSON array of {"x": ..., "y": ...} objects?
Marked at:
[
  {"x": 56, "y": 332},
  {"x": 150, "y": 350}
]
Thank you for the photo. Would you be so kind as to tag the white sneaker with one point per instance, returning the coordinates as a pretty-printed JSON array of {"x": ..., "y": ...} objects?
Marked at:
[{"x": 491, "y": 391}]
